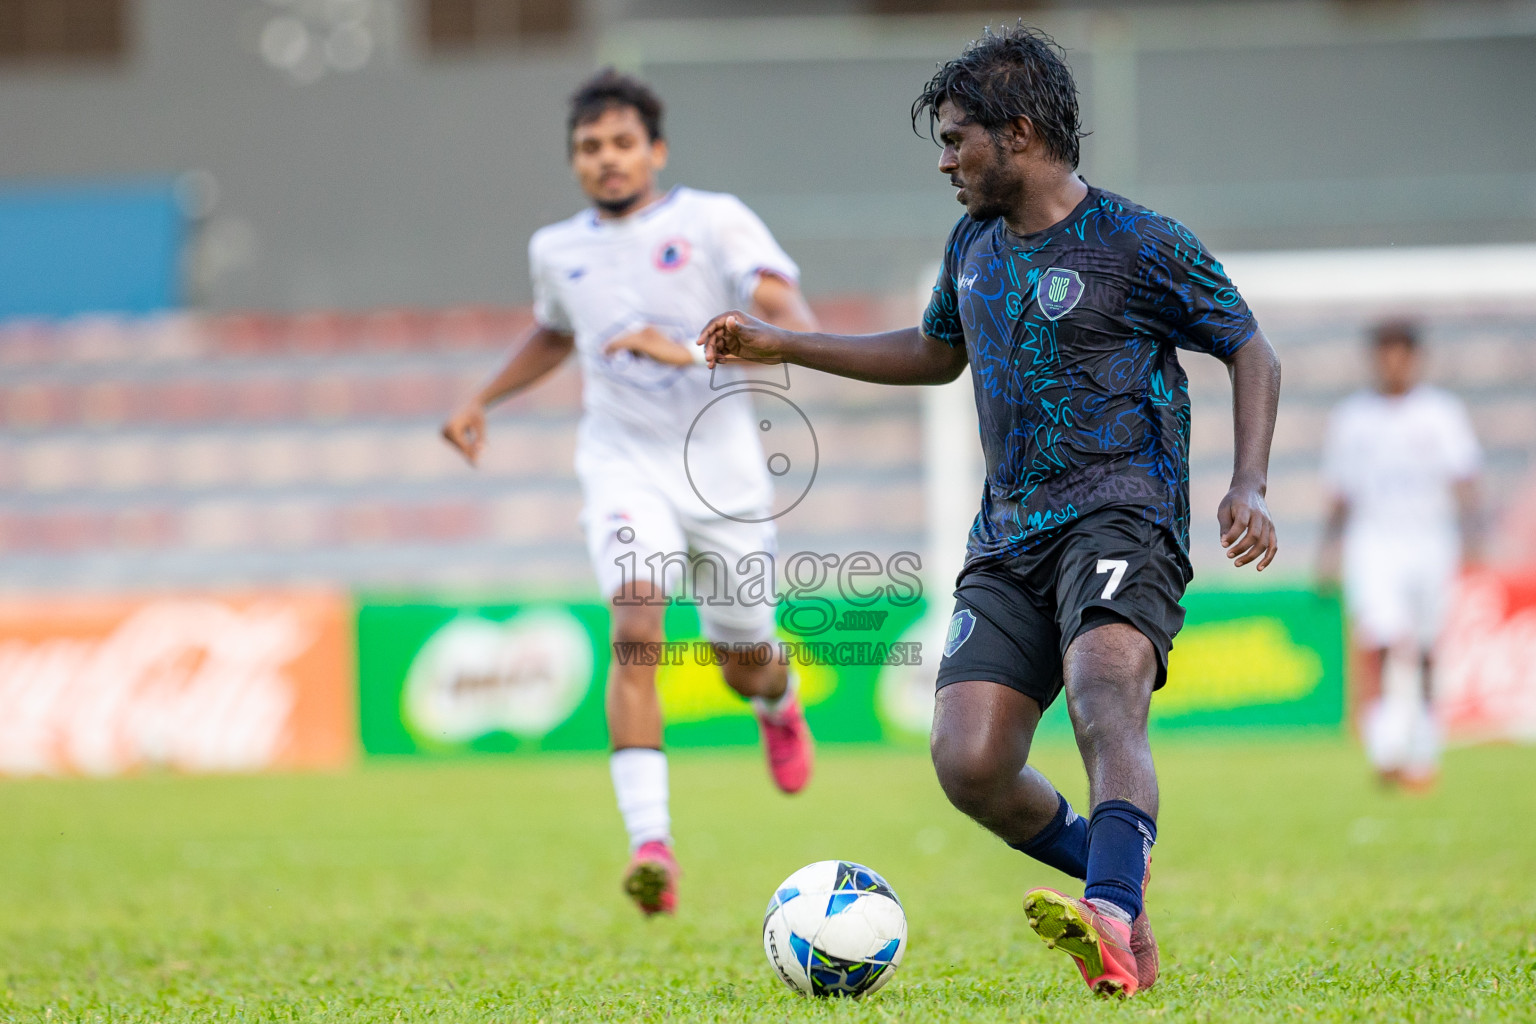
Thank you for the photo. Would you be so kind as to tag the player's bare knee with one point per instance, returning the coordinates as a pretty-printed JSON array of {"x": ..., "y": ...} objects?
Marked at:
[
  {"x": 637, "y": 624},
  {"x": 1110, "y": 672},
  {"x": 1109, "y": 705},
  {"x": 1102, "y": 734},
  {"x": 968, "y": 771},
  {"x": 750, "y": 679}
]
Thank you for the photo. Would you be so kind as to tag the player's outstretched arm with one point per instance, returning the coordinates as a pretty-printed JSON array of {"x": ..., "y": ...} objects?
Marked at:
[
  {"x": 906, "y": 356},
  {"x": 540, "y": 352},
  {"x": 1247, "y": 530}
]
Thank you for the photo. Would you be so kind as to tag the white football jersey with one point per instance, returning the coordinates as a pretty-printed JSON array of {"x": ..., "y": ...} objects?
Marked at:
[
  {"x": 673, "y": 266},
  {"x": 1396, "y": 459}
]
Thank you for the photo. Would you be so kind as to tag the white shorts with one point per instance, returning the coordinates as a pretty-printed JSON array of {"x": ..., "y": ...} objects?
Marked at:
[
  {"x": 1397, "y": 592},
  {"x": 627, "y": 521}
]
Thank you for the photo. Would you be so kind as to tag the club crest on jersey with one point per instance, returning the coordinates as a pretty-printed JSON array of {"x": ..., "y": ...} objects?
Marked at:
[
  {"x": 961, "y": 624},
  {"x": 672, "y": 254},
  {"x": 1058, "y": 292}
]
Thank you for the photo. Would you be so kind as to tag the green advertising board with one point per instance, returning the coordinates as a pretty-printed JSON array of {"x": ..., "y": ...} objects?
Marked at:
[
  {"x": 438, "y": 678},
  {"x": 1263, "y": 658},
  {"x": 446, "y": 679},
  {"x": 449, "y": 679}
]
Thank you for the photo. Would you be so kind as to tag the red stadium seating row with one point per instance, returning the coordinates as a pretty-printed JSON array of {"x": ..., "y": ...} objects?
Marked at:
[
  {"x": 224, "y": 525},
  {"x": 264, "y": 396},
  {"x": 238, "y": 439},
  {"x": 525, "y": 449},
  {"x": 256, "y": 460},
  {"x": 526, "y": 516},
  {"x": 96, "y": 340},
  {"x": 280, "y": 392}
]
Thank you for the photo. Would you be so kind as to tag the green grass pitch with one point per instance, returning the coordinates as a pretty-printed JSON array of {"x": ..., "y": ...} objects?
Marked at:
[{"x": 1285, "y": 887}]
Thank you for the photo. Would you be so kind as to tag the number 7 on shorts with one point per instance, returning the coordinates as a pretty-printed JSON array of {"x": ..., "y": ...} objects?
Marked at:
[{"x": 1116, "y": 569}]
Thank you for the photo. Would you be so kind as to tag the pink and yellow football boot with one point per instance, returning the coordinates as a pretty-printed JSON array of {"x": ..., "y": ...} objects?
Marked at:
[{"x": 1097, "y": 942}]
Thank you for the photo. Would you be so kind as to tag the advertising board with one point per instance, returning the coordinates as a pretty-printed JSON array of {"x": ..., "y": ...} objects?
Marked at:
[
  {"x": 1486, "y": 665},
  {"x": 103, "y": 686},
  {"x": 450, "y": 679},
  {"x": 529, "y": 675}
]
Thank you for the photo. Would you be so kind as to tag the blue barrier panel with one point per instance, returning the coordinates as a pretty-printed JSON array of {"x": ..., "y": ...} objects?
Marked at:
[{"x": 67, "y": 249}]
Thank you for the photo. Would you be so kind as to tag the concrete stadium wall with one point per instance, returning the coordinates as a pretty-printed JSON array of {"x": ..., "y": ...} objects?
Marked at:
[{"x": 416, "y": 180}]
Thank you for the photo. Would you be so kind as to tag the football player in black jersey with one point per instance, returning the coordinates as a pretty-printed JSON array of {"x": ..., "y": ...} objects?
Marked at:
[{"x": 1069, "y": 304}]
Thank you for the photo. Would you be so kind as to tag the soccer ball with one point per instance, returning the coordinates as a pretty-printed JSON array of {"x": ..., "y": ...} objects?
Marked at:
[{"x": 834, "y": 928}]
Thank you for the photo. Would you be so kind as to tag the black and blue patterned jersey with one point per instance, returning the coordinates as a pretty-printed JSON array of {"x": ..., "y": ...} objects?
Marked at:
[{"x": 1072, "y": 336}]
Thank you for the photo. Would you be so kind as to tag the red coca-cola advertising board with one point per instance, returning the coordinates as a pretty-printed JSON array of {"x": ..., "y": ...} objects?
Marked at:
[
  {"x": 1487, "y": 659},
  {"x": 102, "y": 686}
]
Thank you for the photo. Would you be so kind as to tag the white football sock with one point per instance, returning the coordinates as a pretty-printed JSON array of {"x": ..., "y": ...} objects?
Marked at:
[
  {"x": 1424, "y": 742},
  {"x": 1385, "y": 724},
  {"x": 640, "y": 783},
  {"x": 769, "y": 707}
]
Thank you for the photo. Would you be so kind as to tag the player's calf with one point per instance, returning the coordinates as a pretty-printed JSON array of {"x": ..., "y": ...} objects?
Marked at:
[
  {"x": 1110, "y": 672},
  {"x": 979, "y": 744}
]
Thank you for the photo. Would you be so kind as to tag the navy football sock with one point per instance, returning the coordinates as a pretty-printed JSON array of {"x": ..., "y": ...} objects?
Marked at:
[
  {"x": 1063, "y": 844},
  {"x": 1120, "y": 838}
]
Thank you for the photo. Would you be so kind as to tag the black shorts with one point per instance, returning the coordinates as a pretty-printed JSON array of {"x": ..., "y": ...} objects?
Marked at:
[{"x": 1014, "y": 620}]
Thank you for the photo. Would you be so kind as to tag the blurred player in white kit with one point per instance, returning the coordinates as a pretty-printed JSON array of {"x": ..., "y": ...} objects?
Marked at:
[
  {"x": 627, "y": 285},
  {"x": 1401, "y": 462}
]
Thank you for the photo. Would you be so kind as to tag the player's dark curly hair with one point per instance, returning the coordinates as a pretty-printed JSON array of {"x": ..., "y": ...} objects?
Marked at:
[
  {"x": 1396, "y": 332},
  {"x": 608, "y": 89},
  {"x": 1014, "y": 72}
]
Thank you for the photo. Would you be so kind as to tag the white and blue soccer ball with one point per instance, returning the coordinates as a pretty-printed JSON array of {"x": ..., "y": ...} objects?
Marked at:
[{"x": 835, "y": 928}]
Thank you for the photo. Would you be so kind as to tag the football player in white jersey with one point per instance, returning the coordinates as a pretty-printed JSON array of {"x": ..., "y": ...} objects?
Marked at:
[
  {"x": 627, "y": 285},
  {"x": 1401, "y": 461}
]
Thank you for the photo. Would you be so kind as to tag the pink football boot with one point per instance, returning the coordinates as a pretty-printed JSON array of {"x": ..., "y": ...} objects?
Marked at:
[
  {"x": 651, "y": 878},
  {"x": 787, "y": 739}
]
